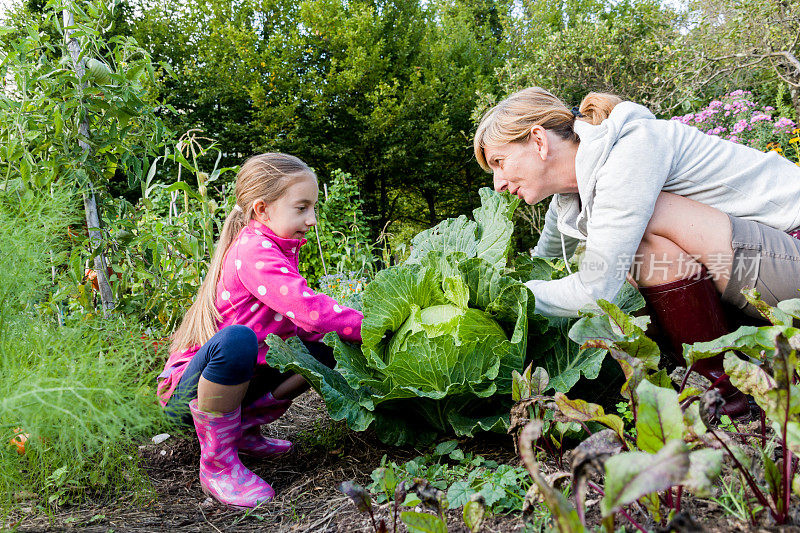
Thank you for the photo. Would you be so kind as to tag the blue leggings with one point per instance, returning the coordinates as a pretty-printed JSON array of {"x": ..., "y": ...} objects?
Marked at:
[{"x": 229, "y": 358}]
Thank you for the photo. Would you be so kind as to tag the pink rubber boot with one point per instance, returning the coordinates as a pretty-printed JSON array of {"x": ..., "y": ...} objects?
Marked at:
[
  {"x": 262, "y": 411},
  {"x": 222, "y": 474}
]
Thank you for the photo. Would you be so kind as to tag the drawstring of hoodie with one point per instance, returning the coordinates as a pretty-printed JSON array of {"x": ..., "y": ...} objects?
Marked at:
[{"x": 564, "y": 252}]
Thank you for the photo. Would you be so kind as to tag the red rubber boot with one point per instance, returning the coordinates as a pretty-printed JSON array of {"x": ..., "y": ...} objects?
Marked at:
[{"x": 688, "y": 311}]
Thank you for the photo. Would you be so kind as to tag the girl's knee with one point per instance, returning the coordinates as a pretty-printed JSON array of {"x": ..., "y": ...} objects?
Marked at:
[
  {"x": 239, "y": 335},
  {"x": 239, "y": 345}
]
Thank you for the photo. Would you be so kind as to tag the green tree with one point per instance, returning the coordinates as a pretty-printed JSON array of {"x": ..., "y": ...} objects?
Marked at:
[
  {"x": 381, "y": 89},
  {"x": 577, "y": 46},
  {"x": 78, "y": 110},
  {"x": 735, "y": 45}
]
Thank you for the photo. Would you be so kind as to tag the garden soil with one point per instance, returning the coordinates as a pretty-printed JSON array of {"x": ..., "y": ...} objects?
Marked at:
[{"x": 305, "y": 481}]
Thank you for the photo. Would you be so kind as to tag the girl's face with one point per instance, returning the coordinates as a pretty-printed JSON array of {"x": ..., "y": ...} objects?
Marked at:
[{"x": 291, "y": 215}]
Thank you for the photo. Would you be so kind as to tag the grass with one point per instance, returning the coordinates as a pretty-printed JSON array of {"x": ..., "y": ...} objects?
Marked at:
[
  {"x": 733, "y": 498},
  {"x": 80, "y": 391}
]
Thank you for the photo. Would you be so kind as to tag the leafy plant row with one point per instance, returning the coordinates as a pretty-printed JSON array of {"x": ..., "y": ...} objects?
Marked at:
[{"x": 678, "y": 445}]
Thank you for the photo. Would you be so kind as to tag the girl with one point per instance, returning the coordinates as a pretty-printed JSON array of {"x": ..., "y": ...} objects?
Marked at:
[
  {"x": 692, "y": 217},
  {"x": 216, "y": 376}
]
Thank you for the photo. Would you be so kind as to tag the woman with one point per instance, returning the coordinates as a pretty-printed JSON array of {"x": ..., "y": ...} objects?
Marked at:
[{"x": 693, "y": 218}]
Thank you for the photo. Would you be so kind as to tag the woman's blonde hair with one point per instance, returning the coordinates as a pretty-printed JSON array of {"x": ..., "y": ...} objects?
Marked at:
[
  {"x": 262, "y": 177},
  {"x": 512, "y": 119}
]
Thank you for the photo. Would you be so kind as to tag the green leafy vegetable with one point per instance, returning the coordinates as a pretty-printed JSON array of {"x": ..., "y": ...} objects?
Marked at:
[
  {"x": 631, "y": 475},
  {"x": 443, "y": 335}
]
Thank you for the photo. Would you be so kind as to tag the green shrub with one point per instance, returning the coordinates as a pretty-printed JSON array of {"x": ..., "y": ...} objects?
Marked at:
[{"x": 340, "y": 243}]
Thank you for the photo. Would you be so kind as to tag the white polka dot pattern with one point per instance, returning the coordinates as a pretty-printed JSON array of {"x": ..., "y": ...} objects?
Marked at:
[
  {"x": 266, "y": 244},
  {"x": 260, "y": 265},
  {"x": 306, "y": 294},
  {"x": 225, "y": 295},
  {"x": 337, "y": 308},
  {"x": 238, "y": 263},
  {"x": 289, "y": 314},
  {"x": 278, "y": 317},
  {"x": 254, "y": 308},
  {"x": 284, "y": 270},
  {"x": 262, "y": 290}
]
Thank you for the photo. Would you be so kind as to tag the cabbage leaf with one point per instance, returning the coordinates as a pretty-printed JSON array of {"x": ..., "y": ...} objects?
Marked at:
[{"x": 442, "y": 334}]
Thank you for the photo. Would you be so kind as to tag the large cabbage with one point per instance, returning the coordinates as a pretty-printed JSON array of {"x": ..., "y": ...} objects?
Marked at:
[{"x": 442, "y": 334}]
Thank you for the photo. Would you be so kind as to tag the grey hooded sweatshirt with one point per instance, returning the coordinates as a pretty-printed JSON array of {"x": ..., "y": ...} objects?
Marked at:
[{"x": 621, "y": 166}]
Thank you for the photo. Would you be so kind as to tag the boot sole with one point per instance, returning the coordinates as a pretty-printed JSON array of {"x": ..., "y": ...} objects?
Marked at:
[{"x": 233, "y": 506}]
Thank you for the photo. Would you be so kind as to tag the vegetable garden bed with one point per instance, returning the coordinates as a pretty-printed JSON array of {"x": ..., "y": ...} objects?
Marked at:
[{"x": 305, "y": 482}]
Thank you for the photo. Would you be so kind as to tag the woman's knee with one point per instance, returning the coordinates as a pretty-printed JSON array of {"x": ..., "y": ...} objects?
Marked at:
[{"x": 665, "y": 210}]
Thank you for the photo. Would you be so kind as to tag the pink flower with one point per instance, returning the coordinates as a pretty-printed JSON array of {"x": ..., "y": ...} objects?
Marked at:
[
  {"x": 733, "y": 138},
  {"x": 759, "y": 117},
  {"x": 740, "y": 126},
  {"x": 784, "y": 122}
]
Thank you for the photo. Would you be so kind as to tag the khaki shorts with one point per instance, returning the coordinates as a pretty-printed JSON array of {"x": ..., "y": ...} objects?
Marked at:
[{"x": 764, "y": 258}]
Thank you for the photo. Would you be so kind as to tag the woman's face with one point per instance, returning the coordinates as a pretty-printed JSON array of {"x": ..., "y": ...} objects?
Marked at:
[
  {"x": 517, "y": 169},
  {"x": 534, "y": 169}
]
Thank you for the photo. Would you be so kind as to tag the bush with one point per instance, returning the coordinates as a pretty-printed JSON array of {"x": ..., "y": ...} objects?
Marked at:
[
  {"x": 339, "y": 245},
  {"x": 737, "y": 118}
]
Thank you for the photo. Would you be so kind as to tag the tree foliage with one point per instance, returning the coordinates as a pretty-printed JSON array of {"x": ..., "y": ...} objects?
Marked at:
[
  {"x": 735, "y": 45},
  {"x": 45, "y": 102},
  {"x": 382, "y": 89},
  {"x": 574, "y": 47}
]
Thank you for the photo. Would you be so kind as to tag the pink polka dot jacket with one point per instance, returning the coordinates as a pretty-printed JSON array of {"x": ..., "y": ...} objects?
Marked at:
[{"x": 260, "y": 287}]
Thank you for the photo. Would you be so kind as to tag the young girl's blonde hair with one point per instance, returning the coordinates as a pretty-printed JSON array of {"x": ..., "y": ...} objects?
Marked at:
[
  {"x": 262, "y": 177},
  {"x": 512, "y": 119}
]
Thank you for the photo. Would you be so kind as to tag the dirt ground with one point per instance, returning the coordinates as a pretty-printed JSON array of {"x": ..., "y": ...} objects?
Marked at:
[{"x": 304, "y": 480}]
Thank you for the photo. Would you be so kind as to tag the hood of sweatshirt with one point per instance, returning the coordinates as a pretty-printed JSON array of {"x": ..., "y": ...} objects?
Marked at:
[{"x": 574, "y": 209}]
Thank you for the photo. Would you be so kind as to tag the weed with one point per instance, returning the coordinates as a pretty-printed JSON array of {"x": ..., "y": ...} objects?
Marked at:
[
  {"x": 324, "y": 435},
  {"x": 734, "y": 500},
  {"x": 624, "y": 411},
  {"x": 460, "y": 475},
  {"x": 77, "y": 390}
]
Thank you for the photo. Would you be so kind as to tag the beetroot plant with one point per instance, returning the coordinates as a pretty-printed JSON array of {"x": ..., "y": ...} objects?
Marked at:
[{"x": 678, "y": 447}]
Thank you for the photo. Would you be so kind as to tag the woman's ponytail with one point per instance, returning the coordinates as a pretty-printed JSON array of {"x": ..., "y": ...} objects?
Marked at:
[{"x": 597, "y": 106}]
